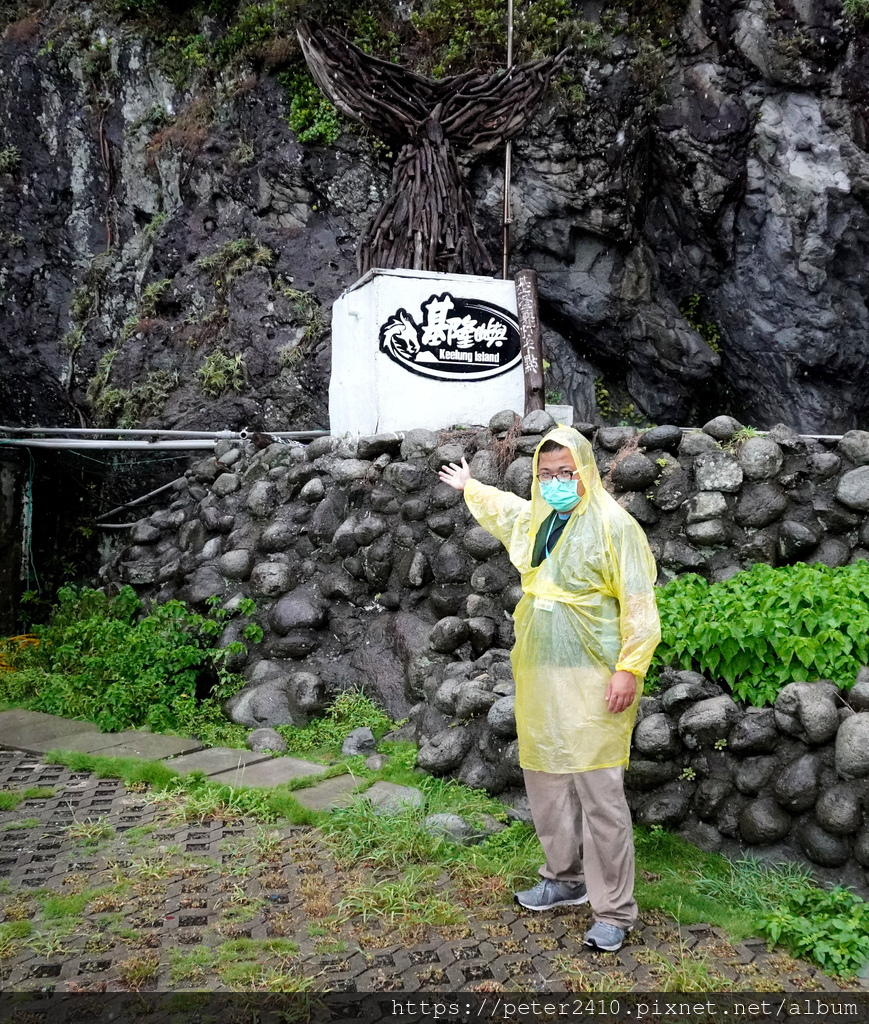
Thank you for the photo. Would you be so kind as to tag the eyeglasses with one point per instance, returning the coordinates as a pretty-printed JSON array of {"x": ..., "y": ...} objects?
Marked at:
[{"x": 565, "y": 476}]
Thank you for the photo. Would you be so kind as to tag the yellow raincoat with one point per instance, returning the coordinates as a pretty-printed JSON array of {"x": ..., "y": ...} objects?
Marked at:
[{"x": 588, "y": 610}]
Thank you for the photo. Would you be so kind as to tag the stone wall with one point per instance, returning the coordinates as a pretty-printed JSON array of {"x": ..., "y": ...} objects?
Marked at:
[{"x": 365, "y": 569}]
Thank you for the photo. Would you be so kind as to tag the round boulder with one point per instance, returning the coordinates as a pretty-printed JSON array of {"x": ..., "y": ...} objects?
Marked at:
[
  {"x": 474, "y": 700},
  {"x": 359, "y": 741},
  {"x": 858, "y": 695},
  {"x": 855, "y": 446},
  {"x": 717, "y": 471},
  {"x": 296, "y": 610},
  {"x": 452, "y": 828},
  {"x": 754, "y": 773},
  {"x": 269, "y": 579},
  {"x": 807, "y": 711},
  {"x": 538, "y": 422},
  {"x": 760, "y": 458},
  {"x": 709, "y": 533},
  {"x": 262, "y": 499},
  {"x": 796, "y": 789},
  {"x": 795, "y": 539},
  {"x": 502, "y": 717},
  {"x": 657, "y": 736},
  {"x": 448, "y": 634},
  {"x": 852, "y": 747},
  {"x": 261, "y": 740},
  {"x": 665, "y": 437},
  {"x": 722, "y": 428},
  {"x": 708, "y": 721},
  {"x": 235, "y": 565},
  {"x": 763, "y": 821},
  {"x": 820, "y": 847},
  {"x": 853, "y": 489},
  {"x": 667, "y": 807},
  {"x": 444, "y": 751},
  {"x": 518, "y": 477},
  {"x": 838, "y": 810},
  {"x": 634, "y": 473},
  {"x": 480, "y": 544},
  {"x": 754, "y": 734},
  {"x": 760, "y": 504}
]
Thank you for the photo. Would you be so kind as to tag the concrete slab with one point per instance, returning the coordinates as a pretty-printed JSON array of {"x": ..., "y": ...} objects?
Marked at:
[
  {"x": 84, "y": 742},
  {"x": 148, "y": 745},
  {"x": 390, "y": 798},
  {"x": 269, "y": 773},
  {"x": 337, "y": 792},
  {"x": 29, "y": 730},
  {"x": 214, "y": 760}
]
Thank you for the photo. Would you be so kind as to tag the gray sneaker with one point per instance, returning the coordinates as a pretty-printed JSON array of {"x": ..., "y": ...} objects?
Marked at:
[
  {"x": 607, "y": 937},
  {"x": 548, "y": 893}
]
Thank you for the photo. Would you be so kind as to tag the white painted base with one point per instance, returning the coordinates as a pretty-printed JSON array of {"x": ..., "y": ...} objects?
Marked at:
[{"x": 372, "y": 392}]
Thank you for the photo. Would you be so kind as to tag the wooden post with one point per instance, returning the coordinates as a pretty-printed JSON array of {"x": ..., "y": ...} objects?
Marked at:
[{"x": 529, "y": 334}]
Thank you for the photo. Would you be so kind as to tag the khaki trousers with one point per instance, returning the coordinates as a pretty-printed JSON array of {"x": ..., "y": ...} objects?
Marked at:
[{"x": 584, "y": 825}]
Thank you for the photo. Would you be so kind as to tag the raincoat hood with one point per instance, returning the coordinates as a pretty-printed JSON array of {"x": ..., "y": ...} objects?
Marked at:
[{"x": 583, "y": 455}]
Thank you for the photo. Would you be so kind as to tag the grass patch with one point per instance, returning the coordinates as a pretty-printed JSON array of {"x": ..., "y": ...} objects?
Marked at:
[
  {"x": 189, "y": 966},
  {"x": 323, "y": 737},
  {"x": 11, "y": 934},
  {"x": 10, "y": 799},
  {"x": 11, "y": 826},
  {"x": 408, "y": 900},
  {"x": 135, "y": 971},
  {"x": 90, "y": 832}
]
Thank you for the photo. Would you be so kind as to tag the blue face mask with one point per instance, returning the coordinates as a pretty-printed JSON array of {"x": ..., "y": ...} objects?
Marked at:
[{"x": 560, "y": 494}]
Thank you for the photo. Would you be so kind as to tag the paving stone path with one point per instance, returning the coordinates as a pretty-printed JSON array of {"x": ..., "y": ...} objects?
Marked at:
[{"x": 103, "y": 889}]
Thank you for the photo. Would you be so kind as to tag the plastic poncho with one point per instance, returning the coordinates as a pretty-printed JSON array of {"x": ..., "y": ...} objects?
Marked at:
[{"x": 587, "y": 610}]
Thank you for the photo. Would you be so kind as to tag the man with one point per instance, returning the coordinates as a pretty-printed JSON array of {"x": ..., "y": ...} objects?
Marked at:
[{"x": 586, "y": 629}]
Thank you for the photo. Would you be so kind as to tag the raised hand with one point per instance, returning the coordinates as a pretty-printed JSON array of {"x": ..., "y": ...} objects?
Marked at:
[{"x": 455, "y": 476}]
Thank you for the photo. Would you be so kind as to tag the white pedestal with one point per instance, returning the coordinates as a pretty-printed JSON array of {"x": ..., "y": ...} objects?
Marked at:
[{"x": 417, "y": 349}]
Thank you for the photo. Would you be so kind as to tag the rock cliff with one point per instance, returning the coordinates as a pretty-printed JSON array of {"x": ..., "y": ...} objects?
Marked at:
[{"x": 695, "y": 201}]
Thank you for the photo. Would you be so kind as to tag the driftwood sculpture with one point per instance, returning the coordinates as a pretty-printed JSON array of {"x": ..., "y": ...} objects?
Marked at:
[{"x": 427, "y": 222}]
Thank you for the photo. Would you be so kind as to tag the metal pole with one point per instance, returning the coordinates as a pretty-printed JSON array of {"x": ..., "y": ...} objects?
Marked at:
[
  {"x": 508, "y": 213},
  {"x": 141, "y": 500},
  {"x": 217, "y": 435},
  {"x": 71, "y": 443}
]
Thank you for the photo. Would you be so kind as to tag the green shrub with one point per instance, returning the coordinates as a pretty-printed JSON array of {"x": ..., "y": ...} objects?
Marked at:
[
  {"x": 856, "y": 10},
  {"x": 99, "y": 659},
  {"x": 220, "y": 373},
  {"x": 768, "y": 627},
  {"x": 831, "y": 925},
  {"x": 312, "y": 117},
  {"x": 462, "y": 35},
  {"x": 350, "y": 710}
]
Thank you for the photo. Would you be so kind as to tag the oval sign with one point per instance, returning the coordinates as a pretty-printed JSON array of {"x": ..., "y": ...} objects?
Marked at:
[{"x": 464, "y": 339}]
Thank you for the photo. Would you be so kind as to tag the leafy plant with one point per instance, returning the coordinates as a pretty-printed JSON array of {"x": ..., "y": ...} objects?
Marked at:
[
  {"x": 100, "y": 660},
  {"x": 154, "y": 226},
  {"x": 220, "y": 373},
  {"x": 350, "y": 710},
  {"x": 856, "y": 10},
  {"x": 692, "y": 309},
  {"x": 464, "y": 34},
  {"x": 10, "y": 158},
  {"x": 233, "y": 259},
  {"x": 830, "y": 925},
  {"x": 312, "y": 117},
  {"x": 767, "y": 627}
]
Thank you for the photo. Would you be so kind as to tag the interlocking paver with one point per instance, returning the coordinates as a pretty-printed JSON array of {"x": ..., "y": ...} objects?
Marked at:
[{"x": 174, "y": 887}]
